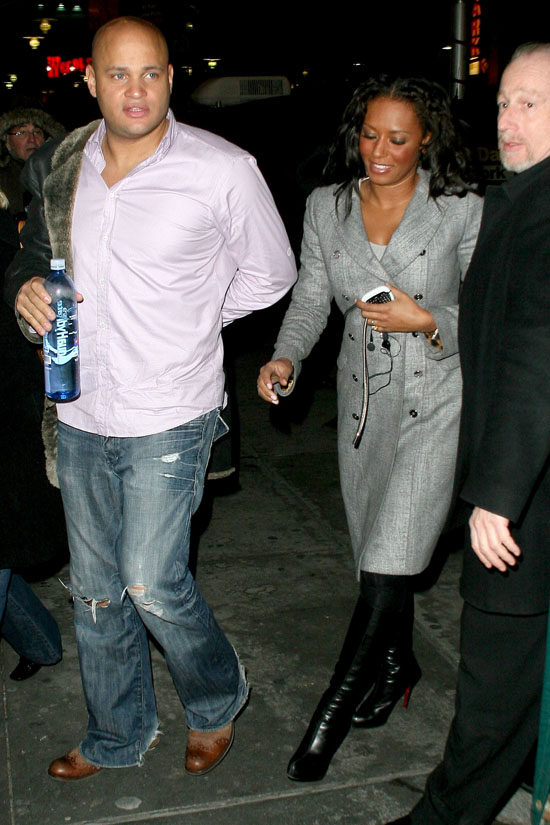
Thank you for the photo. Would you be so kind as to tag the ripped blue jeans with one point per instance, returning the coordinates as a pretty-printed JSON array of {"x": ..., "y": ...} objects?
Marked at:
[{"x": 128, "y": 506}]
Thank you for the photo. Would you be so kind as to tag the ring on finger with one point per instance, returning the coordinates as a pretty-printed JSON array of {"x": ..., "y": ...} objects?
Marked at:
[{"x": 375, "y": 328}]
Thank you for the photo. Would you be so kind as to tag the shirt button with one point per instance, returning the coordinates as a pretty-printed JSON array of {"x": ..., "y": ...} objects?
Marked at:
[
  {"x": 413, "y": 413},
  {"x": 105, "y": 237},
  {"x": 418, "y": 373},
  {"x": 355, "y": 416},
  {"x": 336, "y": 253},
  {"x": 111, "y": 195},
  {"x": 418, "y": 296}
]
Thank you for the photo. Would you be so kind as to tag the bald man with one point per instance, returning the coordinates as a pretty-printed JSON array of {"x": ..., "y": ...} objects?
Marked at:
[{"x": 171, "y": 234}]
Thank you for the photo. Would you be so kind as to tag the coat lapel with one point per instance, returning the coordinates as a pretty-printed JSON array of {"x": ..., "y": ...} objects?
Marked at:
[{"x": 418, "y": 226}]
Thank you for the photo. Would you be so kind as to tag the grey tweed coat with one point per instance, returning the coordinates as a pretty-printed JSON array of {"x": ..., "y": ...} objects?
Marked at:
[{"x": 397, "y": 484}]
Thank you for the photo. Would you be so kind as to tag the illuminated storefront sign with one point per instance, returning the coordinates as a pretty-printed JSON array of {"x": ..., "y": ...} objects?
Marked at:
[
  {"x": 57, "y": 67},
  {"x": 478, "y": 64}
]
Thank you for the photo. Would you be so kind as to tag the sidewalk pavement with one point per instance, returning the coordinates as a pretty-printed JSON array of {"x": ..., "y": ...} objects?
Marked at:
[{"x": 275, "y": 564}]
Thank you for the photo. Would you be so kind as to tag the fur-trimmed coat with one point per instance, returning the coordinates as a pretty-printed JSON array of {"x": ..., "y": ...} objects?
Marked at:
[{"x": 51, "y": 177}]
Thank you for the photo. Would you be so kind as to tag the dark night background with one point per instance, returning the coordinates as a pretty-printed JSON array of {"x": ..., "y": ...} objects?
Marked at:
[{"x": 324, "y": 52}]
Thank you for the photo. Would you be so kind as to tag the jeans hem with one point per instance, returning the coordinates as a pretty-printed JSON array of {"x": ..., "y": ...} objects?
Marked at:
[
  {"x": 138, "y": 761},
  {"x": 238, "y": 705}
]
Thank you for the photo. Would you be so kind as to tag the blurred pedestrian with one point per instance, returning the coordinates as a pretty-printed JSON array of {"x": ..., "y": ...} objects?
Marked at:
[
  {"x": 400, "y": 212},
  {"x": 22, "y": 130},
  {"x": 29, "y": 504}
]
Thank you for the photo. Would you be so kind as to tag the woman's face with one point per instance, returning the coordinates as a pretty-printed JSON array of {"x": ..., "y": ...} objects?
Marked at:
[{"x": 390, "y": 141}]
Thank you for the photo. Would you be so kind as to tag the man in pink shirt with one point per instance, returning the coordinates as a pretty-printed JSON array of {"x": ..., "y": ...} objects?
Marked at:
[{"x": 169, "y": 233}]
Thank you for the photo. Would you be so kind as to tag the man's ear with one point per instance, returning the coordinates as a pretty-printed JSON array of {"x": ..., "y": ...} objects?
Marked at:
[
  {"x": 90, "y": 77},
  {"x": 170, "y": 76}
]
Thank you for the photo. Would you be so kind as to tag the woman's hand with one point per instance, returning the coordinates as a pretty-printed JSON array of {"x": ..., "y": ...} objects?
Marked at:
[
  {"x": 403, "y": 314},
  {"x": 274, "y": 372}
]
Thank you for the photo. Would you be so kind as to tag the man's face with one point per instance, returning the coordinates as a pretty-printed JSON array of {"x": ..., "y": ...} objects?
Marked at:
[
  {"x": 132, "y": 81},
  {"x": 23, "y": 139},
  {"x": 524, "y": 112}
]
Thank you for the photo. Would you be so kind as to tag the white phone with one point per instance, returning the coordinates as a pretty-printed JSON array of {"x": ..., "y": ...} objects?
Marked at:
[{"x": 378, "y": 295}]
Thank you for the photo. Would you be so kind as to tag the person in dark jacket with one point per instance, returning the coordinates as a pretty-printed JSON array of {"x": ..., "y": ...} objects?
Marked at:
[
  {"x": 22, "y": 131},
  {"x": 30, "y": 507},
  {"x": 503, "y": 471}
]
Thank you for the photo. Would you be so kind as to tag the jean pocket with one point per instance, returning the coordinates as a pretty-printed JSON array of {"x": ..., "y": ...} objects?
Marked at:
[{"x": 220, "y": 429}]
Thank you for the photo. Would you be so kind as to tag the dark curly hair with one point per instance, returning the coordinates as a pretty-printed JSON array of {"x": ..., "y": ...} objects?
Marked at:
[{"x": 445, "y": 156}]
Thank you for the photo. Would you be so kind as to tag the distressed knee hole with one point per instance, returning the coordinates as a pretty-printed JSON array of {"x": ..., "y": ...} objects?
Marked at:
[
  {"x": 137, "y": 594},
  {"x": 93, "y": 604}
]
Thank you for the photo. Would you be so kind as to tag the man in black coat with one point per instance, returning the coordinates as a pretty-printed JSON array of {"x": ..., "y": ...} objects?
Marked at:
[{"x": 503, "y": 468}]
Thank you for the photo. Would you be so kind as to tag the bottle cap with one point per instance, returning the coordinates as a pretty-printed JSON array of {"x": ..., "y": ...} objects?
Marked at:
[{"x": 57, "y": 263}]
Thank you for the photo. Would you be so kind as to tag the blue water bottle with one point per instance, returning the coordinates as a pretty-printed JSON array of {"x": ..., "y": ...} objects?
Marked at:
[{"x": 61, "y": 367}]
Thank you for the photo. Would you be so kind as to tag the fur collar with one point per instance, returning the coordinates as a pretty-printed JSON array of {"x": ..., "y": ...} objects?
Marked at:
[{"x": 60, "y": 191}]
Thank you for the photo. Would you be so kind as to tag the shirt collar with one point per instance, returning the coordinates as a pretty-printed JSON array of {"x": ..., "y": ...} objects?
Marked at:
[{"x": 94, "y": 151}]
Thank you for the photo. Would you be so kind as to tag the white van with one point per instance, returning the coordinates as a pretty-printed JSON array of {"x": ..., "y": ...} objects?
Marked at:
[{"x": 230, "y": 91}]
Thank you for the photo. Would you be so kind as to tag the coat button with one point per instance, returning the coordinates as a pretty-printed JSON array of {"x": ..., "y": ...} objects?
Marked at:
[
  {"x": 355, "y": 417},
  {"x": 423, "y": 252},
  {"x": 354, "y": 377},
  {"x": 350, "y": 336},
  {"x": 345, "y": 297},
  {"x": 418, "y": 296},
  {"x": 414, "y": 334},
  {"x": 413, "y": 413},
  {"x": 418, "y": 373},
  {"x": 336, "y": 253}
]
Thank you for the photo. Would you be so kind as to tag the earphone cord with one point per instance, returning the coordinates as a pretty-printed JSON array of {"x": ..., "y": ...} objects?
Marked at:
[{"x": 365, "y": 405}]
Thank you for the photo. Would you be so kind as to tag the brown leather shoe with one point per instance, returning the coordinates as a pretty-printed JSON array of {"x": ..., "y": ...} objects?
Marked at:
[
  {"x": 207, "y": 748},
  {"x": 72, "y": 766}
]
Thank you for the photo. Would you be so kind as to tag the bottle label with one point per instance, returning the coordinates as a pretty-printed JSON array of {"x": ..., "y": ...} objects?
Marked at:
[{"x": 61, "y": 344}]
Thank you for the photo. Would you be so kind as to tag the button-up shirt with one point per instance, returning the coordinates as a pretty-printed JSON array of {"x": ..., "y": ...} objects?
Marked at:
[{"x": 186, "y": 242}]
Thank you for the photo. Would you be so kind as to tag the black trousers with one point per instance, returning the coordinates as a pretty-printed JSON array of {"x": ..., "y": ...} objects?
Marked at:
[{"x": 496, "y": 719}]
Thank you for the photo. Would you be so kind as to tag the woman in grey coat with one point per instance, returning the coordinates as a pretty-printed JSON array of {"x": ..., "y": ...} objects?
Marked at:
[{"x": 402, "y": 216}]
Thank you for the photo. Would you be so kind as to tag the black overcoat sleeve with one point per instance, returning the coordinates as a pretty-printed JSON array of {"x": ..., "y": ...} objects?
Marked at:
[{"x": 34, "y": 258}]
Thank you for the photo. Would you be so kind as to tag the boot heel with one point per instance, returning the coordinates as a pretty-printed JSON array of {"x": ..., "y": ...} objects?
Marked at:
[{"x": 407, "y": 696}]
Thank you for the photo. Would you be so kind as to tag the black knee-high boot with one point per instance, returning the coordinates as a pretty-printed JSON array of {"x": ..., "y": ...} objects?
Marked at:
[
  {"x": 399, "y": 672},
  {"x": 354, "y": 675}
]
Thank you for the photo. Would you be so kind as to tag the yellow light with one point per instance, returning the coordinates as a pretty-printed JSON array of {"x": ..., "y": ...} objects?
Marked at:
[
  {"x": 9, "y": 85},
  {"x": 189, "y": 25},
  {"x": 34, "y": 42},
  {"x": 45, "y": 25},
  {"x": 13, "y": 78},
  {"x": 474, "y": 67}
]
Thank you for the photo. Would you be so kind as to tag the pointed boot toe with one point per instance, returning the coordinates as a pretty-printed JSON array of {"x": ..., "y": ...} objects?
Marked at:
[{"x": 24, "y": 670}]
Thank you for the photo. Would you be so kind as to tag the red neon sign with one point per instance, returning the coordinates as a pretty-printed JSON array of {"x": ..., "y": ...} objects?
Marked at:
[{"x": 57, "y": 67}]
